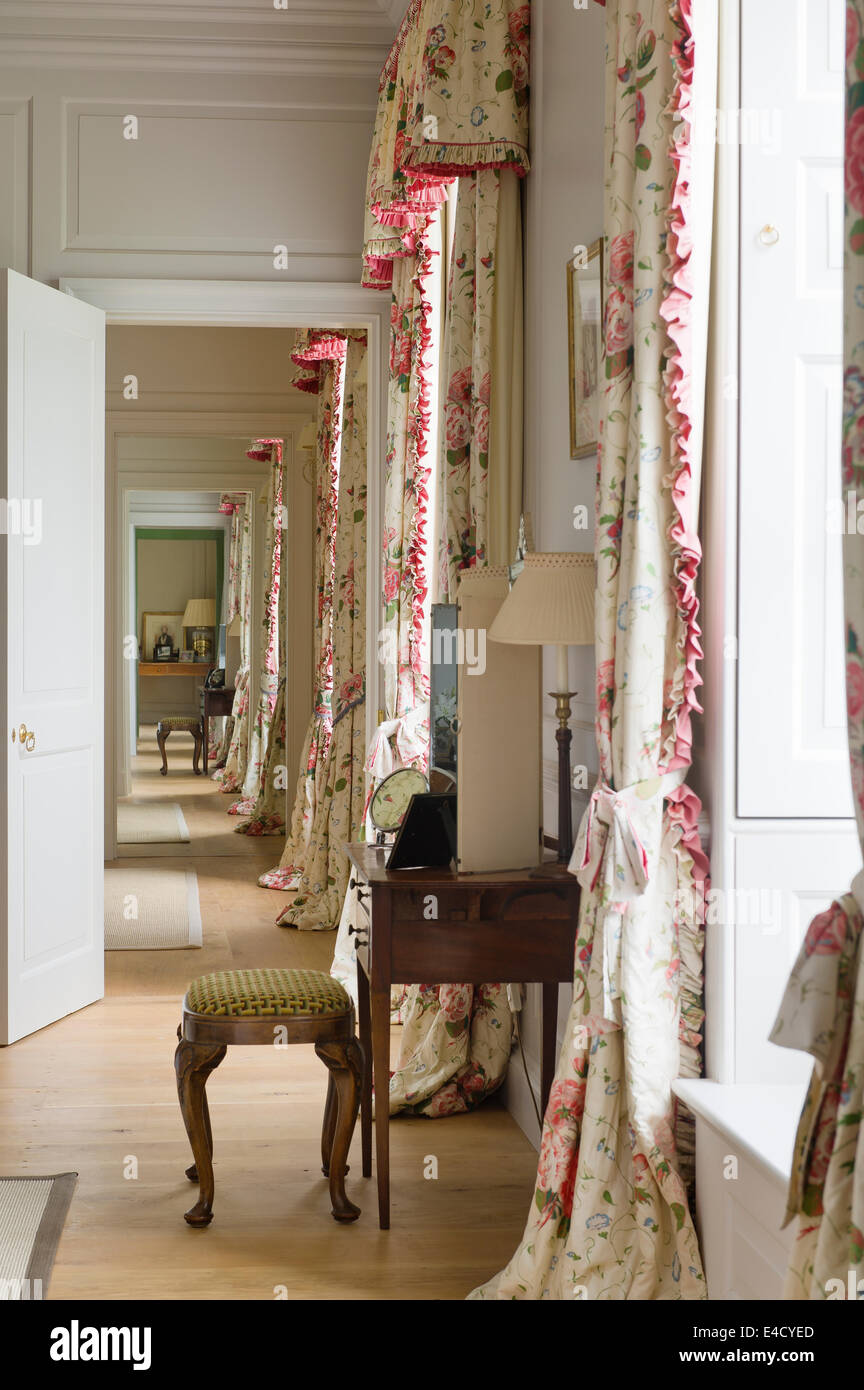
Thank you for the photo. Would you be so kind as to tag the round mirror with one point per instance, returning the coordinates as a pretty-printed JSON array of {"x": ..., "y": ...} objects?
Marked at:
[{"x": 390, "y": 801}]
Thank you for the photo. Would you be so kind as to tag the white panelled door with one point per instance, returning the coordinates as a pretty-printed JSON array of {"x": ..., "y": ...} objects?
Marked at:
[
  {"x": 793, "y": 758},
  {"x": 51, "y": 644}
]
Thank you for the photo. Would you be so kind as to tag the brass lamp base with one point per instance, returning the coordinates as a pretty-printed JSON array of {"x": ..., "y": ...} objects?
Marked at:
[{"x": 563, "y": 738}]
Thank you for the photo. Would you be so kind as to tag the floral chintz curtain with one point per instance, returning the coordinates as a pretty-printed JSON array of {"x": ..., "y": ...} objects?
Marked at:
[
  {"x": 233, "y": 772},
  {"x": 453, "y": 105},
  {"x": 267, "y": 451},
  {"x": 610, "y": 1217},
  {"x": 265, "y": 784},
  {"x": 318, "y": 895},
  {"x": 483, "y": 312},
  {"x": 822, "y": 1011},
  {"x": 321, "y": 359}
]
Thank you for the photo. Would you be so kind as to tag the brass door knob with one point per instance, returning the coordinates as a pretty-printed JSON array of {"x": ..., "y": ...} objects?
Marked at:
[
  {"x": 26, "y": 737},
  {"x": 31, "y": 742}
]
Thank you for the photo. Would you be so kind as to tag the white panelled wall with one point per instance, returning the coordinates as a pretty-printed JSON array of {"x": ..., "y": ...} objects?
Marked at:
[
  {"x": 564, "y": 208},
  {"x": 246, "y": 128}
]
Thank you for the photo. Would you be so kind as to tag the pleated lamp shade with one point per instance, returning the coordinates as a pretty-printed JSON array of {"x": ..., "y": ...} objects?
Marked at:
[
  {"x": 552, "y": 601},
  {"x": 200, "y": 612}
]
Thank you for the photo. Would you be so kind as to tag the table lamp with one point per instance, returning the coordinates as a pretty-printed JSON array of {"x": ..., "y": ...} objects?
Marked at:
[
  {"x": 200, "y": 615},
  {"x": 552, "y": 602}
]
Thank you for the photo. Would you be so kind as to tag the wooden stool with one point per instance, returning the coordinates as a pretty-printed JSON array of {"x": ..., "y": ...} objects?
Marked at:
[
  {"x": 268, "y": 1007},
  {"x": 180, "y": 723}
]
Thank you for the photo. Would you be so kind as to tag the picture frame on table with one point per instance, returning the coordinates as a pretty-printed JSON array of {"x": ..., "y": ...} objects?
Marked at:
[
  {"x": 161, "y": 635},
  {"x": 187, "y": 654},
  {"x": 584, "y": 342}
]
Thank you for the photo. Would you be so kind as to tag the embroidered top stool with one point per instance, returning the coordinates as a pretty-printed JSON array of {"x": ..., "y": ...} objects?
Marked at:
[
  {"x": 265, "y": 1007},
  {"x": 180, "y": 723}
]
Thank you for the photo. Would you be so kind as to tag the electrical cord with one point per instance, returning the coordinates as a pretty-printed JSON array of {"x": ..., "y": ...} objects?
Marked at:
[{"x": 525, "y": 1066}]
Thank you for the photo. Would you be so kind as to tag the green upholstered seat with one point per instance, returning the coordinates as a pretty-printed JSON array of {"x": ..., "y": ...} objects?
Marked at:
[
  {"x": 263, "y": 993},
  {"x": 188, "y": 722}
]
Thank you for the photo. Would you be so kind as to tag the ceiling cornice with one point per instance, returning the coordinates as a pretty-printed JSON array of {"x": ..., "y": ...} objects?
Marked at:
[
  {"x": 294, "y": 58},
  {"x": 375, "y": 14},
  {"x": 330, "y": 38}
]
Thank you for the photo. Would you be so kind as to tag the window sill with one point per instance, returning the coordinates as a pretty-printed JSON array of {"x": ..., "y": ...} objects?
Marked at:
[{"x": 760, "y": 1120}]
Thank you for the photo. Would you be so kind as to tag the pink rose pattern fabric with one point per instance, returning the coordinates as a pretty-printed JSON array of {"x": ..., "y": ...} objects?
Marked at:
[
  {"x": 266, "y": 808},
  {"x": 312, "y": 779},
  {"x": 452, "y": 100},
  {"x": 232, "y": 774},
  {"x": 268, "y": 679},
  {"x": 267, "y": 815},
  {"x": 466, "y": 374},
  {"x": 822, "y": 1011},
  {"x": 471, "y": 103},
  {"x": 407, "y": 468},
  {"x": 321, "y": 874},
  {"x": 610, "y": 1217},
  {"x": 454, "y": 1050}
]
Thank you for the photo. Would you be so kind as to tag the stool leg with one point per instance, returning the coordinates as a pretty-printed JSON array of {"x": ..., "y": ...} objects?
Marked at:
[
  {"x": 193, "y": 1063},
  {"x": 161, "y": 736},
  {"x": 328, "y": 1128},
  {"x": 344, "y": 1061},
  {"x": 192, "y": 1171},
  {"x": 196, "y": 752}
]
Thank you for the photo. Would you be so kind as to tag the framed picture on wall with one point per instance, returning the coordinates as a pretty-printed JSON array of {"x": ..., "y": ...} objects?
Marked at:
[
  {"x": 161, "y": 635},
  {"x": 584, "y": 327}
]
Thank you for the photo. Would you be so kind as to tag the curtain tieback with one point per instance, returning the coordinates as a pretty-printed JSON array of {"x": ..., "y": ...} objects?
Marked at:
[
  {"x": 615, "y": 856},
  {"x": 411, "y": 741},
  {"x": 615, "y": 829}
]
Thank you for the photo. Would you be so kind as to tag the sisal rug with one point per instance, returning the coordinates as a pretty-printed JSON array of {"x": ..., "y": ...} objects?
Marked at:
[
  {"x": 151, "y": 909},
  {"x": 150, "y": 823},
  {"x": 32, "y": 1213}
]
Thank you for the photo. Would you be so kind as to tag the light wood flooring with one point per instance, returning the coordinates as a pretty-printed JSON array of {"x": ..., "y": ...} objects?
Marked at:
[{"x": 96, "y": 1093}]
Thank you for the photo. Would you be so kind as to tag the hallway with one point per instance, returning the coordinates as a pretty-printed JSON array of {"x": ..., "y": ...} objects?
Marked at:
[{"x": 96, "y": 1092}]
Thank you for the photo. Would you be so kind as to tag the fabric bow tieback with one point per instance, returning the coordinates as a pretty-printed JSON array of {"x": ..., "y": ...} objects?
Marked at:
[
  {"x": 614, "y": 858},
  {"x": 411, "y": 742},
  {"x": 610, "y": 846}
]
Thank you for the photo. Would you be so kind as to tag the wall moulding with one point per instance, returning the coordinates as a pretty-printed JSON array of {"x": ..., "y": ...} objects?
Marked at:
[
  {"x": 298, "y": 38},
  {"x": 16, "y": 160},
  {"x": 209, "y": 147}
]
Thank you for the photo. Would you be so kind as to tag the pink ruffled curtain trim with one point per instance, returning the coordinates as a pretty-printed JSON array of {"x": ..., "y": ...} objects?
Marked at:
[
  {"x": 419, "y": 433},
  {"x": 316, "y": 346},
  {"x": 678, "y": 382}
]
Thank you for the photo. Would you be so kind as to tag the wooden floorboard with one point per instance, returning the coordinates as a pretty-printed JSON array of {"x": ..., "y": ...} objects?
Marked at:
[{"x": 96, "y": 1093}]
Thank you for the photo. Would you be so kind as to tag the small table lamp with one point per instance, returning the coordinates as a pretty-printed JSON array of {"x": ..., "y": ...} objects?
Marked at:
[
  {"x": 200, "y": 615},
  {"x": 552, "y": 601}
]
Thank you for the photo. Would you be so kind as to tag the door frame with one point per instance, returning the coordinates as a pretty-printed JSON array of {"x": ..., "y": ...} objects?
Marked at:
[
  {"x": 260, "y": 304},
  {"x": 119, "y": 487}
]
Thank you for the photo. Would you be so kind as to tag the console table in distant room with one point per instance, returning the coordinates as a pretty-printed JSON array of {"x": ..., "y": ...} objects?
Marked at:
[
  {"x": 212, "y": 704},
  {"x": 505, "y": 927},
  {"x": 198, "y": 669}
]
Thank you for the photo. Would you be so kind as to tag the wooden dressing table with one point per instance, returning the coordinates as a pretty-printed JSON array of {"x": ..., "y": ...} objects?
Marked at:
[{"x": 506, "y": 927}]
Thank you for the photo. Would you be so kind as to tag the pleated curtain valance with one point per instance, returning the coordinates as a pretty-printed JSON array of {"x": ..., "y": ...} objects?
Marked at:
[
  {"x": 452, "y": 99},
  {"x": 229, "y": 502},
  {"x": 313, "y": 349}
]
